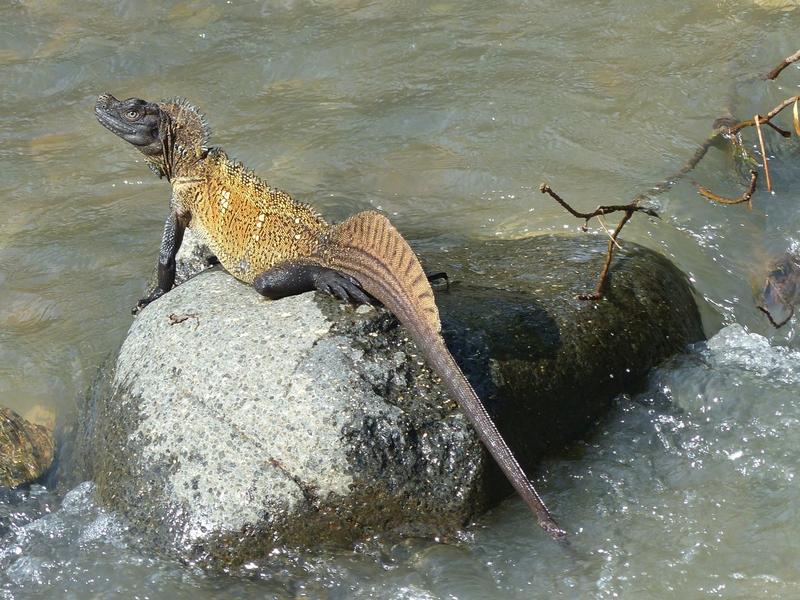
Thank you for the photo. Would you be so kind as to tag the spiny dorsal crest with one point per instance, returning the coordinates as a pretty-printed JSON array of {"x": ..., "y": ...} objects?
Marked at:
[
  {"x": 189, "y": 125},
  {"x": 368, "y": 247}
]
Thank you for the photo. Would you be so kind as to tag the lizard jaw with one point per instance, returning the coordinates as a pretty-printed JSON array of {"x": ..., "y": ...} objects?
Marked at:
[{"x": 107, "y": 120}]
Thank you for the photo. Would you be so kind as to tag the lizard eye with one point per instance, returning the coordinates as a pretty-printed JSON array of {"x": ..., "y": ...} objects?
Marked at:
[{"x": 132, "y": 114}]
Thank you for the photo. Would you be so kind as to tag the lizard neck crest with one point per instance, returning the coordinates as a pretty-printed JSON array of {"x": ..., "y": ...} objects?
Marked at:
[{"x": 184, "y": 136}]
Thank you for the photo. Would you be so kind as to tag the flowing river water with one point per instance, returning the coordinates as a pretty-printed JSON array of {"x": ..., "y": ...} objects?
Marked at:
[{"x": 446, "y": 115}]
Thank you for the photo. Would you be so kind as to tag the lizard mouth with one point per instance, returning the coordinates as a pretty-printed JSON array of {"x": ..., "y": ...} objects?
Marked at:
[{"x": 112, "y": 124}]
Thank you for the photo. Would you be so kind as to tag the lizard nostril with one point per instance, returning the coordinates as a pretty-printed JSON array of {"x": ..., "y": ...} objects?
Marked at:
[{"x": 103, "y": 100}]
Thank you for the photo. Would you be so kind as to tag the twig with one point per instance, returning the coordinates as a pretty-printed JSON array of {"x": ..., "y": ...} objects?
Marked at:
[
  {"x": 600, "y": 210},
  {"x": 628, "y": 209},
  {"x": 726, "y": 127},
  {"x": 783, "y": 132},
  {"x": 763, "y": 118},
  {"x": 745, "y": 197},
  {"x": 775, "y": 324},
  {"x": 721, "y": 127},
  {"x": 601, "y": 281},
  {"x": 763, "y": 154},
  {"x": 608, "y": 233},
  {"x": 782, "y": 65},
  {"x": 174, "y": 318}
]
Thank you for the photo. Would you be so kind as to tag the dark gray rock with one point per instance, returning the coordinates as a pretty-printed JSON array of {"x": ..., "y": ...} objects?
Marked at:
[
  {"x": 780, "y": 290},
  {"x": 251, "y": 424},
  {"x": 555, "y": 360}
]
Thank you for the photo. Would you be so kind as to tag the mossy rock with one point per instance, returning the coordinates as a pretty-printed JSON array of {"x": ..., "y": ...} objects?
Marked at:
[{"x": 26, "y": 450}]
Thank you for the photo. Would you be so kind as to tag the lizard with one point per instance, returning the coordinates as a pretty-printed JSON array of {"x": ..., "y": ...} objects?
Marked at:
[{"x": 282, "y": 247}]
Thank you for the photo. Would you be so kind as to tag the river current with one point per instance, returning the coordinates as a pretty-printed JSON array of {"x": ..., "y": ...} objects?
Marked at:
[{"x": 447, "y": 116}]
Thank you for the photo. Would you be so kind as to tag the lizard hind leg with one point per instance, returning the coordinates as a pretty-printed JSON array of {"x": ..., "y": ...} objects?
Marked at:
[{"x": 292, "y": 278}]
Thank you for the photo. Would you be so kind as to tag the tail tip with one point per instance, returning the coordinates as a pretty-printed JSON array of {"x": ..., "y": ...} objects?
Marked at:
[{"x": 553, "y": 530}]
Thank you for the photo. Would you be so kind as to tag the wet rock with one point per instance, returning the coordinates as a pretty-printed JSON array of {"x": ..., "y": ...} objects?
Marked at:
[
  {"x": 26, "y": 450},
  {"x": 780, "y": 291},
  {"x": 555, "y": 360},
  {"x": 230, "y": 425}
]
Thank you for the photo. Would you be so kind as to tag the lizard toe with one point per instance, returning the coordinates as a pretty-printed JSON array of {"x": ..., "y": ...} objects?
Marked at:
[{"x": 340, "y": 292}]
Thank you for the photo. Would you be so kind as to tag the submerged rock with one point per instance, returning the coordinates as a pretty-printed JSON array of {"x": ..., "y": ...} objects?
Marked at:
[
  {"x": 780, "y": 291},
  {"x": 231, "y": 425},
  {"x": 26, "y": 450}
]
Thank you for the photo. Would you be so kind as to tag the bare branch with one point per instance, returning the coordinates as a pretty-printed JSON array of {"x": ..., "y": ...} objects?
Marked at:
[
  {"x": 782, "y": 65},
  {"x": 745, "y": 197},
  {"x": 783, "y": 132},
  {"x": 776, "y": 324},
  {"x": 601, "y": 281},
  {"x": 721, "y": 127},
  {"x": 608, "y": 233},
  {"x": 546, "y": 189},
  {"x": 725, "y": 127},
  {"x": 763, "y": 118},
  {"x": 628, "y": 209},
  {"x": 600, "y": 210}
]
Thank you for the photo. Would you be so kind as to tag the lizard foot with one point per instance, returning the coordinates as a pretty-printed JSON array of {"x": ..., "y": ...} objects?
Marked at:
[
  {"x": 342, "y": 286},
  {"x": 157, "y": 293}
]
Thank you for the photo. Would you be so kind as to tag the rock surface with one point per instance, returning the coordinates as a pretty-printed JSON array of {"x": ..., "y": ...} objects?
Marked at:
[
  {"x": 26, "y": 450},
  {"x": 250, "y": 424}
]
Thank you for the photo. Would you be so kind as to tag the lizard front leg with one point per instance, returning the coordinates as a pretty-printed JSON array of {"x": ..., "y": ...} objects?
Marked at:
[{"x": 171, "y": 240}]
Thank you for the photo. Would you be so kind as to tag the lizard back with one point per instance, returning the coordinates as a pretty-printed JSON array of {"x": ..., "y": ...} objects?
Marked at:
[{"x": 249, "y": 225}]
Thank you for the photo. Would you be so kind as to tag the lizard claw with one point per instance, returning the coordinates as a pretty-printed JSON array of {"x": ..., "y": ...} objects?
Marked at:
[
  {"x": 139, "y": 306},
  {"x": 343, "y": 287},
  {"x": 157, "y": 293}
]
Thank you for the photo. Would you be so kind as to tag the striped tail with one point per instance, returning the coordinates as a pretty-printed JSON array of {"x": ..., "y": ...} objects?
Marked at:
[{"x": 368, "y": 248}]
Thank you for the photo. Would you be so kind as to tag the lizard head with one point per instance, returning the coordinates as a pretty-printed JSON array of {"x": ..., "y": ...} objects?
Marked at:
[
  {"x": 171, "y": 134},
  {"x": 136, "y": 121}
]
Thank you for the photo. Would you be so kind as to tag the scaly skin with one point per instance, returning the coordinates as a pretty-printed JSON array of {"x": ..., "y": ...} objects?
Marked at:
[
  {"x": 262, "y": 236},
  {"x": 249, "y": 226}
]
